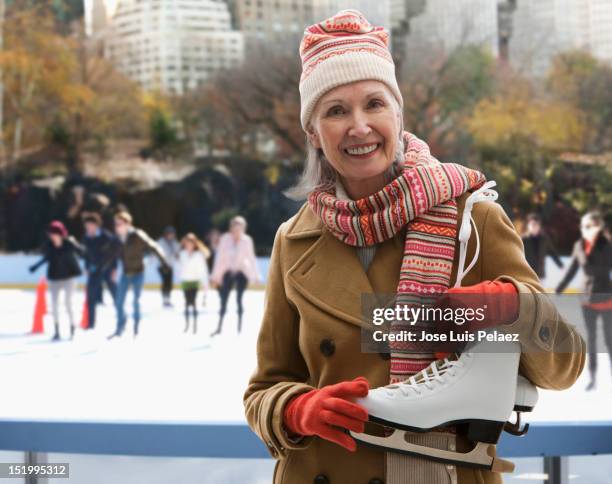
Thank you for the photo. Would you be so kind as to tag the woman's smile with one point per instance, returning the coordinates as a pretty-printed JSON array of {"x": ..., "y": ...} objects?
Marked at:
[{"x": 363, "y": 151}]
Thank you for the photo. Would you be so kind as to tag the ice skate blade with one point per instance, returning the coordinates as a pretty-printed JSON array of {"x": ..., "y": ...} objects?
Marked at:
[
  {"x": 487, "y": 431},
  {"x": 481, "y": 456},
  {"x": 523, "y": 408}
]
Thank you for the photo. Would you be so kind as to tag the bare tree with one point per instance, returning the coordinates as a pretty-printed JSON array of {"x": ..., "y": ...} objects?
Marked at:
[{"x": 264, "y": 94}]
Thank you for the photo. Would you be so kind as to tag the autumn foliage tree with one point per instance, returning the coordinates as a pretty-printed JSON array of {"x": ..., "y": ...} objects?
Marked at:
[
  {"x": 262, "y": 97},
  {"x": 580, "y": 80},
  {"x": 440, "y": 93},
  {"x": 35, "y": 64},
  {"x": 59, "y": 91}
]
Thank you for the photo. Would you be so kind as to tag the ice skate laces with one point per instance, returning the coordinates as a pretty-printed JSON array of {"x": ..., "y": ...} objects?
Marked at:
[{"x": 426, "y": 379}]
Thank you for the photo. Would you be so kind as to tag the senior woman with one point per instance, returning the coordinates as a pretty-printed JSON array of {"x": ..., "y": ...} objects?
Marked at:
[{"x": 381, "y": 217}]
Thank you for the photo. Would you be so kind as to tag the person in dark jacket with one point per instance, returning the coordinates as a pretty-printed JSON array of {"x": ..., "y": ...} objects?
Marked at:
[
  {"x": 101, "y": 249},
  {"x": 60, "y": 254},
  {"x": 134, "y": 244},
  {"x": 538, "y": 245},
  {"x": 593, "y": 254},
  {"x": 171, "y": 249}
]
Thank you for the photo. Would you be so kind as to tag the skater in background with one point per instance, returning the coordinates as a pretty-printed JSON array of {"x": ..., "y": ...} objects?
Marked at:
[
  {"x": 538, "y": 245},
  {"x": 61, "y": 253},
  {"x": 193, "y": 272},
  {"x": 101, "y": 249},
  {"x": 135, "y": 243},
  {"x": 212, "y": 242},
  {"x": 235, "y": 265},
  {"x": 171, "y": 248},
  {"x": 401, "y": 235},
  {"x": 593, "y": 254}
]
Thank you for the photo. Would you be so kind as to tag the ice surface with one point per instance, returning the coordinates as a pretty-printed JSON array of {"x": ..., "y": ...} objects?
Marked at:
[{"x": 167, "y": 375}]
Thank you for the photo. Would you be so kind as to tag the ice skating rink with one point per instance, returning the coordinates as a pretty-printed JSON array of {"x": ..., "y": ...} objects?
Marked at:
[
  {"x": 167, "y": 375},
  {"x": 164, "y": 374}
]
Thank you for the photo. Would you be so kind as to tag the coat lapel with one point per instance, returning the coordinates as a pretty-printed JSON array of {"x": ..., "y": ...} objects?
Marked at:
[{"x": 330, "y": 275}]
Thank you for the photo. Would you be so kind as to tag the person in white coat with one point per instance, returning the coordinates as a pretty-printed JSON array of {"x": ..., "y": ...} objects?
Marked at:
[{"x": 193, "y": 272}]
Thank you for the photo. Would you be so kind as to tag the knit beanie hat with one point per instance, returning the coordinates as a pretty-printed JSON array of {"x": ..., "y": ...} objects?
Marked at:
[
  {"x": 342, "y": 49},
  {"x": 57, "y": 227}
]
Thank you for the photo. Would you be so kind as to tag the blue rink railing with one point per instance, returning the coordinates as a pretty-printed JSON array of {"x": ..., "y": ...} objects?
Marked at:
[{"x": 551, "y": 440}]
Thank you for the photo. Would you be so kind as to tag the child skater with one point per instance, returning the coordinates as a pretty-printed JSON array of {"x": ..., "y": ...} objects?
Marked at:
[
  {"x": 60, "y": 253},
  {"x": 193, "y": 270}
]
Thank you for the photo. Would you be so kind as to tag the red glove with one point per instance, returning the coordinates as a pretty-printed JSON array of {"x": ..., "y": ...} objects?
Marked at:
[
  {"x": 501, "y": 300},
  {"x": 320, "y": 412}
]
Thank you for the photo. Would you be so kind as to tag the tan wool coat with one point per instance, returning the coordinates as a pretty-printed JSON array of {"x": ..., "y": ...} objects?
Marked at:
[{"x": 311, "y": 336}]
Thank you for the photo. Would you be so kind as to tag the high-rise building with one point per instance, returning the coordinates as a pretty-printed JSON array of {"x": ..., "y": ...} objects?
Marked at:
[
  {"x": 598, "y": 21},
  {"x": 543, "y": 28},
  {"x": 505, "y": 13},
  {"x": 440, "y": 26},
  {"x": 402, "y": 11},
  {"x": 281, "y": 23},
  {"x": 172, "y": 45},
  {"x": 99, "y": 16},
  {"x": 275, "y": 22},
  {"x": 377, "y": 12}
]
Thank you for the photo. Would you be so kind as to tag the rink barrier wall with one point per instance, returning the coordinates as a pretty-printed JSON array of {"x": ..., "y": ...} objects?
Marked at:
[{"x": 236, "y": 440}]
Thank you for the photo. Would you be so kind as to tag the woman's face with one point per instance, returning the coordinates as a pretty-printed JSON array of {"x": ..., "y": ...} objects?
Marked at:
[
  {"x": 189, "y": 245},
  {"x": 589, "y": 228},
  {"x": 237, "y": 229},
  {"x": 121, "y": 227},
  {"x": 56, "y": 239},
  {"x": 357, "y": 127}
]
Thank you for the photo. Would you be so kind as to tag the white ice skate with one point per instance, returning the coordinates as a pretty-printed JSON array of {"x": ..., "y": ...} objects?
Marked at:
[{"x": 478, "y": 391}]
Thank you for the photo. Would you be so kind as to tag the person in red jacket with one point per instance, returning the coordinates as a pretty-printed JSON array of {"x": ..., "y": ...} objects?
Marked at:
[
  {"x": 60, "y": 254},
  {"x": 593, "y": 254}
]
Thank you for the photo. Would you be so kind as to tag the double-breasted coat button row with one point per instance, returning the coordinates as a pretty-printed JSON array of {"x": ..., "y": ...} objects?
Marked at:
[{"x": 327, "y": 347}]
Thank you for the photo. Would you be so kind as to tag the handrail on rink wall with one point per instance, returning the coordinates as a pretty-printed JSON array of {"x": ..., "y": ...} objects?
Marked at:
[{"x": 236, "y": 440}]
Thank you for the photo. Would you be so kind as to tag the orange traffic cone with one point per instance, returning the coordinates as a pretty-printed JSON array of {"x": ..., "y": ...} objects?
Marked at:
[
  {"x": 40, "y": 308},
  {"x": 85, "y": 316}
]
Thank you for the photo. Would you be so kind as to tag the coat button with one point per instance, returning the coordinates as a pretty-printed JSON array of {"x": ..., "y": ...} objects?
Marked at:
[
  {"x": 385, "y": 356},
  {"x": 327, "y": 347},
  {"x": 272, "y": 449},
  {"x": 544, "y": 333},
  {"x": 376, "y": 480},
  {"x": 321, "y": 479}
]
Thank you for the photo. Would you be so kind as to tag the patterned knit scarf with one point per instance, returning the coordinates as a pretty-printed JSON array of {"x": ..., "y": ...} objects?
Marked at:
[{"x": 423, "y": 198}]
